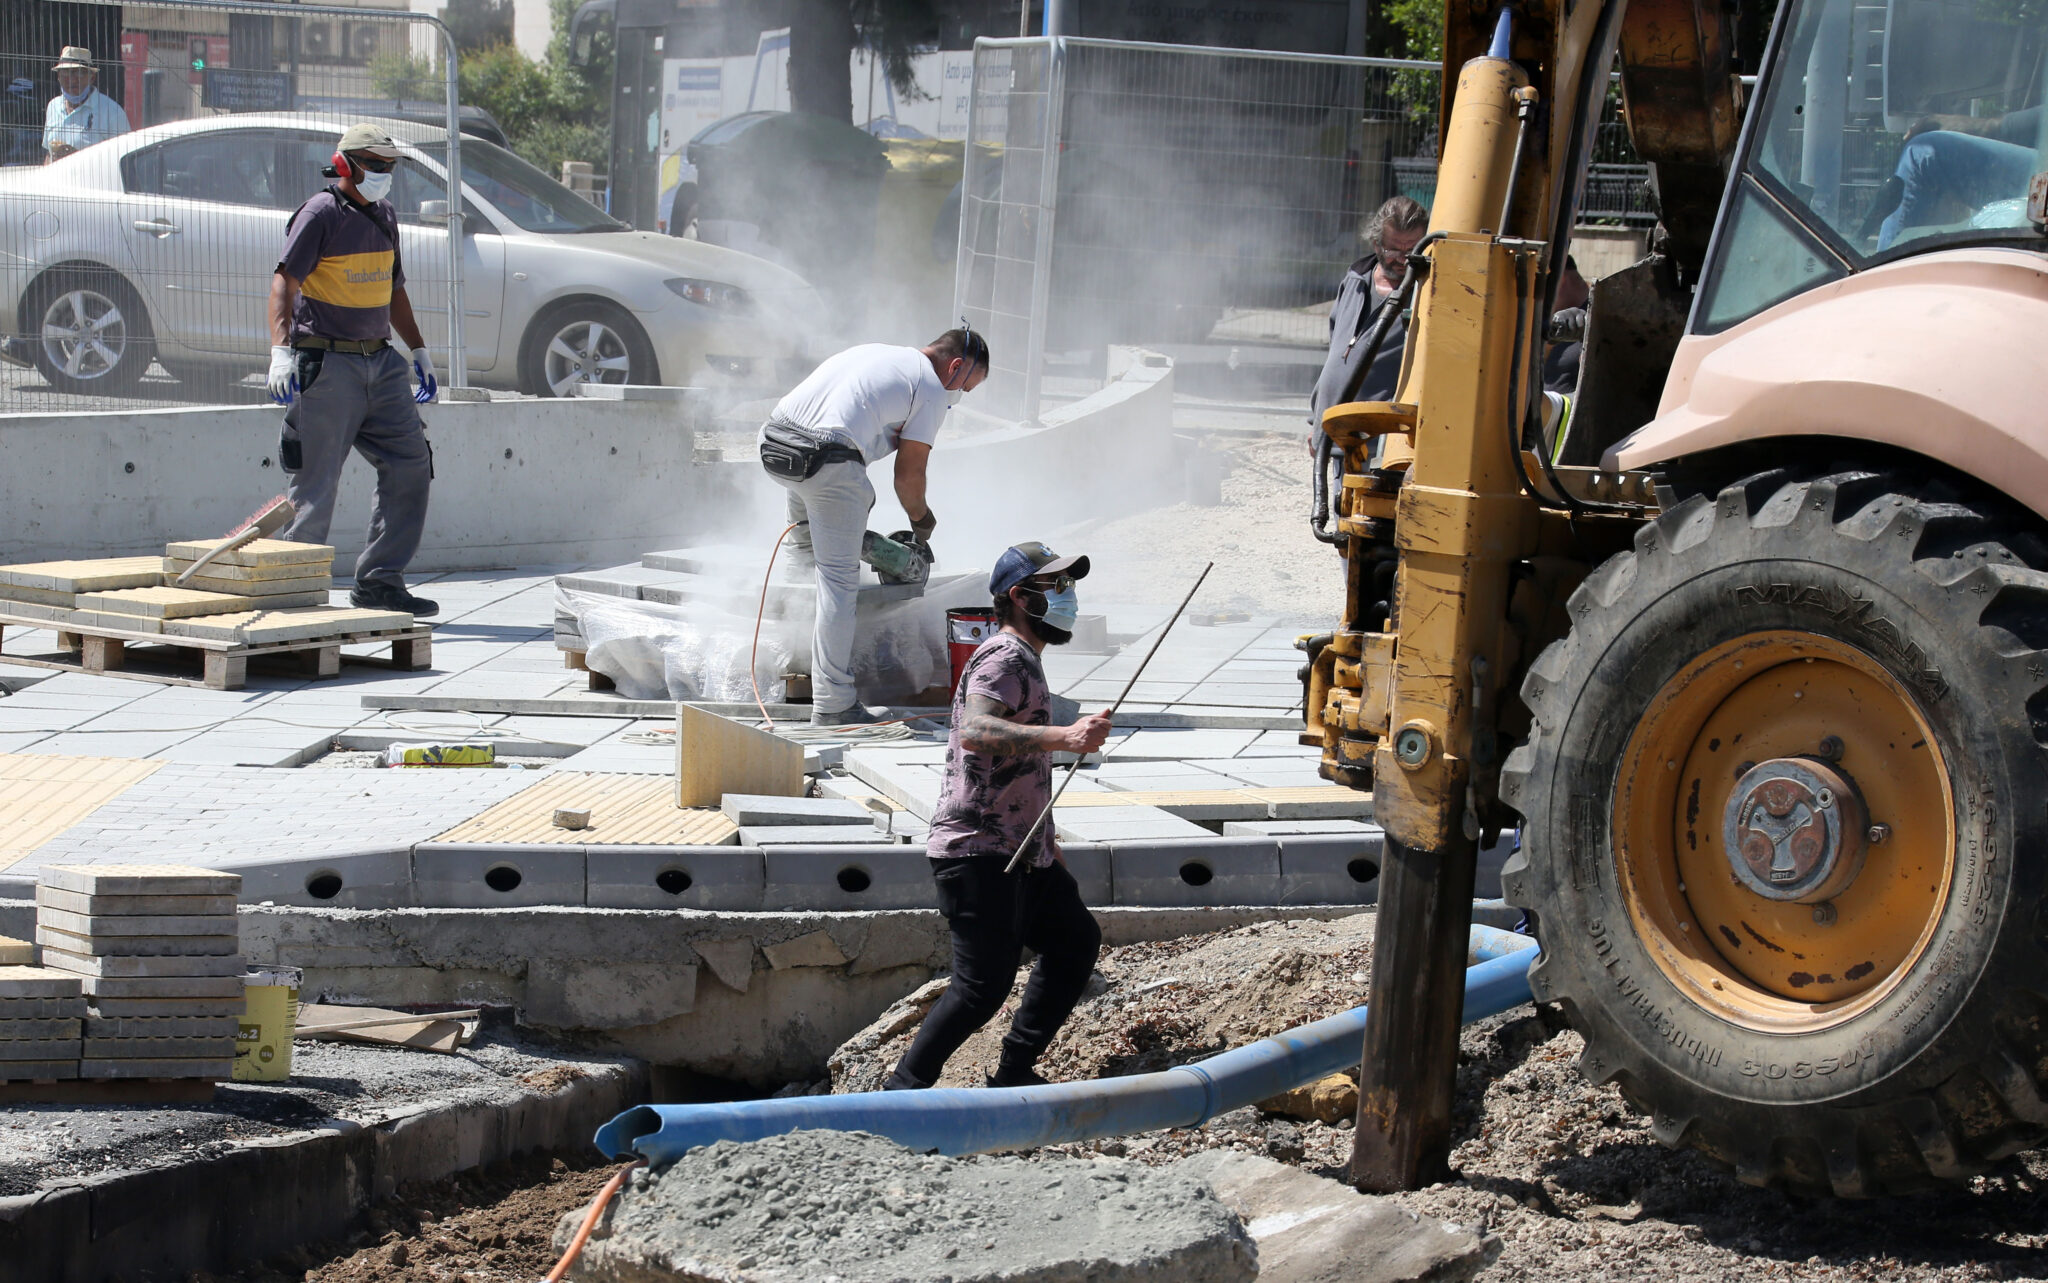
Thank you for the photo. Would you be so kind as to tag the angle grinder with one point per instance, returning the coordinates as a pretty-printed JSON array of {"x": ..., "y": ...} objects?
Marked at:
[{"x": 899, "y": 558}]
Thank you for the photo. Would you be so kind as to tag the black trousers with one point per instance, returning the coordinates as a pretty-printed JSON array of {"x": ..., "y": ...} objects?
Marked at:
[{"x": 994, "y": 917}]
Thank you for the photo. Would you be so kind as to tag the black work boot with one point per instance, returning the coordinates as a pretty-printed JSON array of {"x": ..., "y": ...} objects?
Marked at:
[
  {"x": 391, "y": 597},
  {"x": 1008, "y": 1075}
]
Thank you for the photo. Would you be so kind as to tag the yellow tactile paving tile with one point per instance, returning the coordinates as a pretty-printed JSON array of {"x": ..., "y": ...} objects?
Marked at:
[
  {"x": 624, "y": 809},
  {"x": 41, "y": 795}
]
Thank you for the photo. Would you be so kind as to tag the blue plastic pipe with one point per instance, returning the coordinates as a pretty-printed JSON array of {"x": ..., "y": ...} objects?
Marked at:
[{"x": 952, "y": 1120}]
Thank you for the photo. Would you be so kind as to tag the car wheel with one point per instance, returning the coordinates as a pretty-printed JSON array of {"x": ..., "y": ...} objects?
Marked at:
[
  {"x": 587, "y": 342},
  {"x": 88, "y": 332}
]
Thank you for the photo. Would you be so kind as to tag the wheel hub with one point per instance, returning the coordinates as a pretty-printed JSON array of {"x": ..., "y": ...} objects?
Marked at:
[{"x": 1794, "y": 830}]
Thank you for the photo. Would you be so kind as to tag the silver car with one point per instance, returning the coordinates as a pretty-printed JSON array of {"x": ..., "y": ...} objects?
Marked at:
[{"x": 160, "y": 245}]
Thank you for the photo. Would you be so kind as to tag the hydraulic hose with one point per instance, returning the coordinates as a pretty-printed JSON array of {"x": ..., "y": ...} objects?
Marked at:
[{"x": 951, "y": 1120}]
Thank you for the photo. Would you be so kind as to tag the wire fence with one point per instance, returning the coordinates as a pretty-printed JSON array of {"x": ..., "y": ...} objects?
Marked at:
[
  {"x": 1124, "y": 193},
  {"x": 146, "y": 184}
]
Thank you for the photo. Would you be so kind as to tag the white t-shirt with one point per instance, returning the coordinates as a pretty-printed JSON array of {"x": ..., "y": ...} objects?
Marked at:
[
  {"x": 876, "y": 395},
  {"x": 95, "y": 120}
]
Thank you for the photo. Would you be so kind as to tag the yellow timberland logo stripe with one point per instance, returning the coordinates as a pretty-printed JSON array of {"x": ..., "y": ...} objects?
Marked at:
[{"x": 351, "y": 280}]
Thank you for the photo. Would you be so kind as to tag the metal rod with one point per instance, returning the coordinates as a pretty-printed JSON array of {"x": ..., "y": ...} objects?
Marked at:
[{"x": 1075, "y": 765}]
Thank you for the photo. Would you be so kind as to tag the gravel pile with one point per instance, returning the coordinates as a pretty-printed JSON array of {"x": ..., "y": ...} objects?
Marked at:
[
  {"x": 1563, "y": 1171},
  {"x": 854, "y": 1207}
]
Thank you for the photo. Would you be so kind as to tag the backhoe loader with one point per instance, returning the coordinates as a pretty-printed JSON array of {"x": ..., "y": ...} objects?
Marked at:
[{"x": 1747, "y": 639}]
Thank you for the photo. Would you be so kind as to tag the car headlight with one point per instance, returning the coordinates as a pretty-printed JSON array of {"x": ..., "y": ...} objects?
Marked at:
[{"x": 710, "y": 293}]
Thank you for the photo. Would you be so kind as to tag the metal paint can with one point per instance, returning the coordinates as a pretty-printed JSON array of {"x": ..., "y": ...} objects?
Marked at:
[{"x": 263, "y": 1038}]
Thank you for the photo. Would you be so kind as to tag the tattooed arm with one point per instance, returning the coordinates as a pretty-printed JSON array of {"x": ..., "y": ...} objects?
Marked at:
[{"x": 988, "y": 729}]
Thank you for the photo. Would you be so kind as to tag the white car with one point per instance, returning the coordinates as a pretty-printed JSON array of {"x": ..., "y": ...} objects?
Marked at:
[{"x": 160, "y": 244}]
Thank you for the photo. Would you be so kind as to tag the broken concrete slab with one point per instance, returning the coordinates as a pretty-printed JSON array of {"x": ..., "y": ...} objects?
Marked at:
[
  {"x": 858, "y": 1208},
  {"x": 1310, "y": 1229},
  {"x": 731, "y": 960},
  {"x": 753, "y": 811},
  {"x": 815, "y": 949}
]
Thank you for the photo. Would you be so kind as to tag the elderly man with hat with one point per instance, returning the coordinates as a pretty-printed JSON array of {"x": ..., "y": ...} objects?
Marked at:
[
  {"x": 997, "y": 783},
  {"x": 80, "y": 115},
  {"x": 338, "y": 293}
]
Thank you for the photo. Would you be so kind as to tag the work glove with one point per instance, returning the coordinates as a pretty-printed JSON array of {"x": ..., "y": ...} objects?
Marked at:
[
  {"x": 284, "y": 375},
  {"x": 923, "y": 526},
  {"x": 425, "y": 374},
  {"x": 1567, "y": 326}
]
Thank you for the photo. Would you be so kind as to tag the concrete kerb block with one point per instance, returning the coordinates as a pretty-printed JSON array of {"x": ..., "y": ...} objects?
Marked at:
[
  {"x": 1195, "y": 871},
  {"x": 843, "y": 878},
  {"x": 1330, "y": 868},
  {"x": 463, "y": 875},
  {"x": 1091, "y": 865},
  {"x": 727, "y": 878},
  {"x": 367, "y": 879}
]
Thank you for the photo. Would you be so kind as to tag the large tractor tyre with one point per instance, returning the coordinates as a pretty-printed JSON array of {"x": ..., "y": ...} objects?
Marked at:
[{"x": 1787, "y": 806}]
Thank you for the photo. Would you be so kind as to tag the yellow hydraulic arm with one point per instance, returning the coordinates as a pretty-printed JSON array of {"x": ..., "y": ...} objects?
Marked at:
[{"x": 1407, "y": 697}]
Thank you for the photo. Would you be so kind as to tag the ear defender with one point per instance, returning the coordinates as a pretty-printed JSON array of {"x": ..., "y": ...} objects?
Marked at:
[{"x": 340, "y": 166}]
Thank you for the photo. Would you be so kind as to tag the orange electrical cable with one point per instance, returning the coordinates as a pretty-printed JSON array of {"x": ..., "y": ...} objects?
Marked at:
[
  {"x": 760, "y": 611},
  {"x": 604, "y": 1198}
]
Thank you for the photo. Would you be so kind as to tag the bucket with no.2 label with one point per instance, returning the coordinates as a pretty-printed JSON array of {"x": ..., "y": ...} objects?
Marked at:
[
  {"x": 263, "y": 1042},
  {"x": 967, "y": 627}
]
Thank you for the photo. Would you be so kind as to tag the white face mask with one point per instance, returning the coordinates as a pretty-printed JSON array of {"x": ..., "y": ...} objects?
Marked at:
[
  {"x": 374, "y": 187},
  {"x": 953, "y": 397}
]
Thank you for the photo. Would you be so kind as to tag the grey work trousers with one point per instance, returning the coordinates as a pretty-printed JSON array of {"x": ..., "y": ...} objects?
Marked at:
[
  {"x": 361, "y": 402},
  {"x": 832, "y": 508}
]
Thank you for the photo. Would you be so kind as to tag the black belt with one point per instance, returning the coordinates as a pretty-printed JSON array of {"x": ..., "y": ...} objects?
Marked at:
[{"x": 360, "y": 347}]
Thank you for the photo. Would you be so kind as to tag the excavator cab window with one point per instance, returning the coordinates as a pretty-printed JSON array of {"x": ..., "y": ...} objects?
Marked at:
[{"x": 1885, "y": 128}]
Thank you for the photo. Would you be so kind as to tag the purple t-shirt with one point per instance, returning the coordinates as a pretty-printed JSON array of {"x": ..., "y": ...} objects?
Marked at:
[
  {"x": 987, "y": 802},
  {"x": 346, "y": 260}
]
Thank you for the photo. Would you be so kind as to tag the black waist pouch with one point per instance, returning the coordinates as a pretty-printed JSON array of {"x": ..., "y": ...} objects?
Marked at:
[{"x": 792, "y": 453}]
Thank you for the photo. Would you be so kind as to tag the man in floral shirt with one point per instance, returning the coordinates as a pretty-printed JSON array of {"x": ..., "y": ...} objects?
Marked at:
[{"x": 998, "y": 780}]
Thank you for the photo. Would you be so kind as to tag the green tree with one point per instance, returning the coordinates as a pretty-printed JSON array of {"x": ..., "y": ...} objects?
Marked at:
[
  {"x": 478, "y": 24},
  {"x": 824, "y": 33}
]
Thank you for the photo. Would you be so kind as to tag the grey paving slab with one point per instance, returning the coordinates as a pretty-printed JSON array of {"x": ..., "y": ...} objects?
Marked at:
[
  {"x": 198, "y": 751},
  {"x": 36, "y": 697},
  {"x": 1278, "y": 828},
  {"x": 20, "y": 741},
  {"x": 1183, "y": 745},
  {"x": 128, "y": 744},
  {"x": 1267, "y": 772},
  {"x": 1140, "y": 783},
  {"x": 1116, "y": 770},
  {"x": 811, "y": 835},
  {"x": 1113, "y": 823},
  {"x": 754, "y": 811}
]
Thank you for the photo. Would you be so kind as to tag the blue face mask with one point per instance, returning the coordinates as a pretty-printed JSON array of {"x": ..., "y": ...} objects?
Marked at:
[
  {"x": 77, "y": 98},
  {"x": 1062, "y": 609}
]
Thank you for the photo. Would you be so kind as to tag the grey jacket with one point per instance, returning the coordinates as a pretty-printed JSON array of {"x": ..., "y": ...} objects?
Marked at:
[{"x": 1351, "y": 322}]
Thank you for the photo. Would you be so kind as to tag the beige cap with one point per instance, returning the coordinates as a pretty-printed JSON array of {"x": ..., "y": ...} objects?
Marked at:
[
  {"x": 368, "y": 138},
  {"x": 74, "y": 57}
]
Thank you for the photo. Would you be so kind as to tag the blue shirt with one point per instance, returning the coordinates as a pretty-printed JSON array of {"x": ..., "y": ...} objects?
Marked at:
[{"x": 95, "y": 120}]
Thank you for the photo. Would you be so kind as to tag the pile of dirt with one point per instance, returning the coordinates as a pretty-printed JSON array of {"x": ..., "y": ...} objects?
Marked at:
[
  {"x": 1564, "y": 1171},
  {"x": 487, "y": 1226},
  {"x": 1152, "y": 1006},
  {"x": 855, "y": 1207}
]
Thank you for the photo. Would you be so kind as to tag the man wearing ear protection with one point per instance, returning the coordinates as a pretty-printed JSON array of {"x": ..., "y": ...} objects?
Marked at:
[
  {"x": 998, "y": 780},
  {"x": 856, "y": 409},
  {"x": 338, "y": 293}
]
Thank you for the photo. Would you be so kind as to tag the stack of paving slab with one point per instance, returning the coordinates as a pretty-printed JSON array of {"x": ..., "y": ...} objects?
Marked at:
[
  {"x": 816, "y": 821},
  {"x": 42, "y": 1014},
  {"x": 269, "y": 590},
  {"x": 155, "y": 950}
]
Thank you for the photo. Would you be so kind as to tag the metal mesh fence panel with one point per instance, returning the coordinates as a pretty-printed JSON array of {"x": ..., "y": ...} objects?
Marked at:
[
  {"x": 144, "y": 195},
  {"x": 1196, "y": 196}
]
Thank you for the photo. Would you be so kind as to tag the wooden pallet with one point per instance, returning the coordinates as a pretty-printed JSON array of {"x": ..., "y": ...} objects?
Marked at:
[
  {"x": 107, "y": 1091},
  {"x": 224, "y": 665}
]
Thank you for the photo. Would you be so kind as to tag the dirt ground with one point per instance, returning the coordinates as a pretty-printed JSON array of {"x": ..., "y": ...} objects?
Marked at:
[
  {"x": 1564, "y": 1172},
  {"x": 491, "y": 1226}
]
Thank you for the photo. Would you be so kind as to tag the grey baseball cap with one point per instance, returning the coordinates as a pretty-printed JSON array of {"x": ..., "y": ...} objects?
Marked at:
[{"x": 368, "y": 138}]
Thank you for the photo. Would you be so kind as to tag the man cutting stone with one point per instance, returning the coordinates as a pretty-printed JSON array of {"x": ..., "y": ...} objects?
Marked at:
[
  {"x": 856, "y": 409},
  {"x": 998, "y": 780}
]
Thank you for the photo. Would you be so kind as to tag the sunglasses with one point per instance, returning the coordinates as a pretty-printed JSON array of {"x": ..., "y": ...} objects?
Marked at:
[
  {"x": 1058, "y": 583},
  {"x": 375, "y": 164}
]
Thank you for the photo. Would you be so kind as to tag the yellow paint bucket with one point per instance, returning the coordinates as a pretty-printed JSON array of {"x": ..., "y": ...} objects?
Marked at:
[{"x": 263, "y": 1041}]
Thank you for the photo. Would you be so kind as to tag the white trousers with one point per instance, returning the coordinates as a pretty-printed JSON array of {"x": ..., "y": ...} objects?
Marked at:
[{"x": 833, "y": 509}]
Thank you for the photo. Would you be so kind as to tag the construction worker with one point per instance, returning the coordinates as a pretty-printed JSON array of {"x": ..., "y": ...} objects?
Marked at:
[
  {"x": 80, "y": 115},
  {"x": 857, "y": 409},
  {"x": 997, "y": 785},
  {"x": 338, "y": 293},
  {"x": 1369, "y": 286}
]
